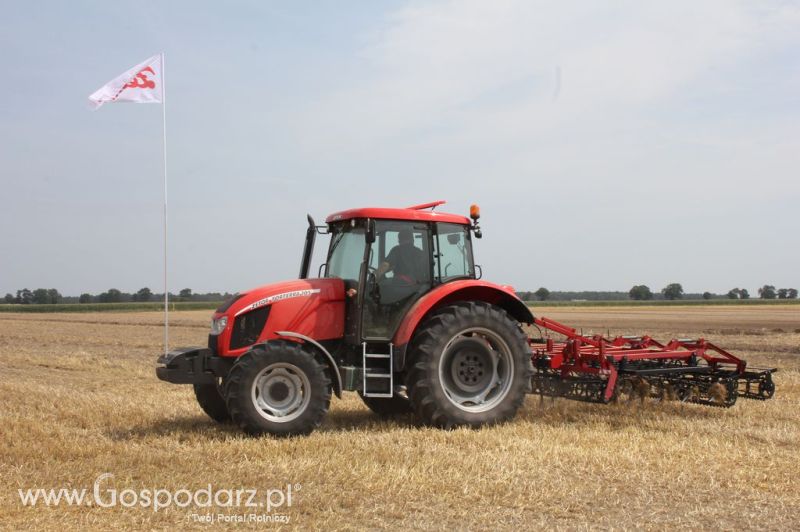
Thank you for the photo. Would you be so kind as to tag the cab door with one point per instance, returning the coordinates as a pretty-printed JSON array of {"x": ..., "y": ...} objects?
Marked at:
[{"x": 389, "y": 293}]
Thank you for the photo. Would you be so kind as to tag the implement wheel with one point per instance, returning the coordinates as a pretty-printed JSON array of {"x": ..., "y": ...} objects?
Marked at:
[
  {"x": 766, "y": 388},
  {"x": 472, "y": 367},
  {"x": 278, "y": 388}
]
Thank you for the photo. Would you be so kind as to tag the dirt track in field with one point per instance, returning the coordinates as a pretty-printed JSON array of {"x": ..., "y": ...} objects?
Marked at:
[{"x": 78, "y": 398}]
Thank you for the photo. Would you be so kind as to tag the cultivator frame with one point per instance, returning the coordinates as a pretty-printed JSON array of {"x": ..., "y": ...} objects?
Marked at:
[{"x": 599, "y": 369}]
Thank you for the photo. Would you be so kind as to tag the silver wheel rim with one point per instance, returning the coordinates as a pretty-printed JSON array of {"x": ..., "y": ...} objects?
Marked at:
[
  {"x": 476, "y": 380},
  {"x": 281, "y": 392}
]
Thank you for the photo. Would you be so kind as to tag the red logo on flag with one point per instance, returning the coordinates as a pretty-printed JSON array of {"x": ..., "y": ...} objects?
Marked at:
[{"x": 141, "y": 81}]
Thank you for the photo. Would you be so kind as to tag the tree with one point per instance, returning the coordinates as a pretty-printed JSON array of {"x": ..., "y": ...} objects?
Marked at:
[
  {"x": 672, "y": 291},
  {"x": 24, "y": 297},
  {"x": 767, "y": 292},
  {"x": 792, "y": 293},
  {"x": 9, "y": 299},
  {"x": 706, "y": 295},
  {"x": 783, "y": 293},
  {"x": 55, "y": 296},
  {"x": 85, "y": 298},
  {"x": 186, "y": 293},
  {"x": 112, "y": 296},
  {"x": 542, "y": 293},
  {"x": 744, "y": 294},
  {"x": 41, "y": 297},
  {"x": 733, "y": 293},
  {"x": 144, "y": 294},
  {"x": 640, "y": 292}
]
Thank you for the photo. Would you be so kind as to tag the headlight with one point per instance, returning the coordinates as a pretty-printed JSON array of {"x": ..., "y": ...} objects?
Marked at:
[{"x": 217, "y": 326}]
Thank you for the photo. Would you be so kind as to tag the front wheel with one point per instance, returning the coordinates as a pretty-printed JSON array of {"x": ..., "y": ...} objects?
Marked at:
[
  {"x": 278, "y": 388},
  {"x": 472, "y": 366},
  {"x": 209, "y": 397}
]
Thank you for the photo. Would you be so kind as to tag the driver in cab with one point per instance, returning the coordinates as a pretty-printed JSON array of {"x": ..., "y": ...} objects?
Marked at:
[{"x": 406, "y": 261}]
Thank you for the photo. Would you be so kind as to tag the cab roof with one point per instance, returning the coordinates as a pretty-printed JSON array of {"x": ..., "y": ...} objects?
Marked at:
[{"x": 415, "y": 213}]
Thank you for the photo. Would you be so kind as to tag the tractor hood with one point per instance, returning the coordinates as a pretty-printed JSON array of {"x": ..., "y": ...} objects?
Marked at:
[
  {"x": 311, "y": 307},
  {"x": 269, "y": 294}
]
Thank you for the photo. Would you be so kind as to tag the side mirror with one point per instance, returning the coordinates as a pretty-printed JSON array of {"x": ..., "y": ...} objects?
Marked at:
[{"x": 370, "y": 234}]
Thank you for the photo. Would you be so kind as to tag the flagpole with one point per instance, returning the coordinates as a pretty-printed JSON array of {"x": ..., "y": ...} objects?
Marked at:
[{"x": 164, "y": 129}]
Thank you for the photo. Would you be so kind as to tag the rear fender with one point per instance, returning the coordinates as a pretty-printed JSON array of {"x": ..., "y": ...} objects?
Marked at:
[{"x": 466, "y": 290}]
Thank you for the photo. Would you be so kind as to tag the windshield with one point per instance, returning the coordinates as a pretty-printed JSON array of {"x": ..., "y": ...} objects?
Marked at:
[{"x": 346, "y": 251}]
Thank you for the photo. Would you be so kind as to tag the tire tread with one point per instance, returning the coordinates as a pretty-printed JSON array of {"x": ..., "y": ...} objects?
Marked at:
[
  {"x": 237, "y": 394},
  {"x": 429, "y": 337}
]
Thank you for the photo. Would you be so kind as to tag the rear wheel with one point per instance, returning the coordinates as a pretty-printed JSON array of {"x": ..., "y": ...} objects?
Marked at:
[
  {"x": 209, "y": 397},
  {"x": 472, "y": 366},
  {"x": 278, "y": 388}
]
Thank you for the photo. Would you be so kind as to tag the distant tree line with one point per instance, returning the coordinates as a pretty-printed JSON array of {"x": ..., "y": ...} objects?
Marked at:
[
  {"x": 44, "y": 296},
  {"x": 673, "y": 291},
  {"x": 642, "y": 292},
  {"x": 40, "y": 296}
]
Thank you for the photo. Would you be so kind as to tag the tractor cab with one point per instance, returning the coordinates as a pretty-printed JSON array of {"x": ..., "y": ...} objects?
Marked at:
[{"x": 389, "y": 258}]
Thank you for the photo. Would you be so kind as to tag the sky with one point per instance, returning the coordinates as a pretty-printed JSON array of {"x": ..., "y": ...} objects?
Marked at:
[{"x": 608, "y": 143}]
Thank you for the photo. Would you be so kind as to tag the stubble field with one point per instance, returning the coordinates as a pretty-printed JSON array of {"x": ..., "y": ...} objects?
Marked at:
[{"x": 79, "y": 398}]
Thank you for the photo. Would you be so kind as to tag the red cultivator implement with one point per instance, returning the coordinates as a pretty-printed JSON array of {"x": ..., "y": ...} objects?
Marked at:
[{"x": 600, "y": 369}]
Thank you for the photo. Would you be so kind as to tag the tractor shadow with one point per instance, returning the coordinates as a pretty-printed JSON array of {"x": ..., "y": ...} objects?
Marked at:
[
  {"x": 625, "y": 414},
  {"x": 357, "y": 420},
  {"x": 180, "y": 428},
  {"x": 199, "y": 427},
  {"x": 549, "y": 412},
  {"x": 535, "y": 412}
]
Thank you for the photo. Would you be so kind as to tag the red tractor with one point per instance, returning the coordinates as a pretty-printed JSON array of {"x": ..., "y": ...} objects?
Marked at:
[{"x": 399, "y": 314}]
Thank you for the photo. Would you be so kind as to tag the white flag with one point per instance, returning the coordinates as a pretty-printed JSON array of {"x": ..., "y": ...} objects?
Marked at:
[{"x": 141, "y": 84}]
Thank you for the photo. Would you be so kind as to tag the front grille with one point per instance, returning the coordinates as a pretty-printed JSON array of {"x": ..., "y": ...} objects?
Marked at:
[
  {"x": 247, "y": 327},
  {"x": 212, "y": 343}
]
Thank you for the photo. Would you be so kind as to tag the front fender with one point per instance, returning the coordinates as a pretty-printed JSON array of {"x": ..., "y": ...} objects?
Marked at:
[{"x": 337, "y": 377}]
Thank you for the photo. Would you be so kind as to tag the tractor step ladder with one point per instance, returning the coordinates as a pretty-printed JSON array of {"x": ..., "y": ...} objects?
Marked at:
[{"x": 378, "y": 380}]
